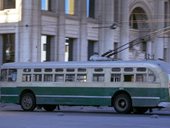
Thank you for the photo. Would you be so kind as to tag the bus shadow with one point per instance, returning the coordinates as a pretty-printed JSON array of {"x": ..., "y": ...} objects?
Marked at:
[{"x": 84, "y": 110}]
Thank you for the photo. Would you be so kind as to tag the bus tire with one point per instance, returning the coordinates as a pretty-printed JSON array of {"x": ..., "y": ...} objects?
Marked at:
[
  {"x": 122, "y": 103},
  {"x": 49, "y": 108},
  {"x": 28, "y": 102}
]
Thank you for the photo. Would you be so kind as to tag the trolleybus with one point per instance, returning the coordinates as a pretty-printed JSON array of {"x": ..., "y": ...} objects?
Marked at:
[{"x": 128, "y": 86}]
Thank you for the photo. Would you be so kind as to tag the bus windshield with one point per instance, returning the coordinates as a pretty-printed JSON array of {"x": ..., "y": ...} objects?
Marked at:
[{"x": 165, "y": 66}]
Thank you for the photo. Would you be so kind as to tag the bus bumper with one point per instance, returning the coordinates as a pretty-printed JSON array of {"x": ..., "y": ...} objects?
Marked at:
[{"x": 164, "y": 104}]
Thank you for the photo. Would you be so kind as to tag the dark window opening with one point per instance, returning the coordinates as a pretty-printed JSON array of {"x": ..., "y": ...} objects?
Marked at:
[
  {"x": 7, "y": 4},
  {"x": 91, "y": 8},
  {"x": 128, "y": 78},
  {"x": 8, "y": 48}
]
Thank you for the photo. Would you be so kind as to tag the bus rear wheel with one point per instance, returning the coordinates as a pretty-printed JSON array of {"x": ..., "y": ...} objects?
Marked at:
[
  {"x": 49, "y": 108},
  {"x": 122, "y": 103},
  {"x": 28, "y": 102}
]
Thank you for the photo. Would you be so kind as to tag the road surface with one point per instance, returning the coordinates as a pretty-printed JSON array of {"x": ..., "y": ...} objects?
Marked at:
[{"x": 11, "y": 116}]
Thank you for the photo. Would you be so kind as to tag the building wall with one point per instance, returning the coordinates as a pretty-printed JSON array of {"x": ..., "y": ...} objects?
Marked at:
[{"x": 29, "y": 23}]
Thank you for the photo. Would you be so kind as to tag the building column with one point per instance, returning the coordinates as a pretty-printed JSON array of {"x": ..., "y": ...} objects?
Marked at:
[
  {"x": 83, "y": 39},
  {"x": 168, "y": 24},
  {"x": 36, "y": 31},
  {"x": 159, "y": 42},
  {"x": 149, "y": 49},
  {"x": 60, "y": 39},
  {"x": 107, "y": 34},
  {"x": 124, "y": 29},
  {"x": 24, "y": 29},
  {"x": 29, "y": 32}
]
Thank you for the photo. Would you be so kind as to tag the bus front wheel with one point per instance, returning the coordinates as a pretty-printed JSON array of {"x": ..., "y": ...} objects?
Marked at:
[
  {"x": 122, "y": 103},
  {"x": 28, "y": 102}
]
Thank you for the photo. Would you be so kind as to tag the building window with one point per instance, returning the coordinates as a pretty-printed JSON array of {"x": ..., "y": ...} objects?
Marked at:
[
  {"x": 138, "y": 19},
  {"x": 92, "y": 48},
  {"x": 7, "y": 4},
  {"x": 46, "y": 5},
  {"x": 144, "y": 46},
  {"x": 8, "y": 48},
  {"x": 167, "y": 6},
  {"x": 117, "y": 10},
  {"x": 69, "y": 49},
  {"x": 46, "y": 48},
  {"x": 91, "y": 8},
  {"x": 70, "y": 7}
]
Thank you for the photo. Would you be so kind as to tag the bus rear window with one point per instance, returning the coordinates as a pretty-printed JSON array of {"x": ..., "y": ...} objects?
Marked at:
[
  {"x": 4, "y": 75},
  {"x": 12, "y": 75},
  {"x": 8, "y": 75}
]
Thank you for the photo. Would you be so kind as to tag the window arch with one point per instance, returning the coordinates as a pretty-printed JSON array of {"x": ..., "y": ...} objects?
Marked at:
[{"x": 138, "y": 18}]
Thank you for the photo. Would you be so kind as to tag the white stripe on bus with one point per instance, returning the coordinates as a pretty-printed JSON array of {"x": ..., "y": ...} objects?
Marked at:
[
  {"x": 79, "y": 96},
  {"x": 154, "y": 98},
  {"x": 12, "y": 95},
  {"x": 73, "y": 96}
]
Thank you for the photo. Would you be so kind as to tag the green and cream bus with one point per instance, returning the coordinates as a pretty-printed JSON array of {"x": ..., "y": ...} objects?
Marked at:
[{"x": 128, "y": 86}]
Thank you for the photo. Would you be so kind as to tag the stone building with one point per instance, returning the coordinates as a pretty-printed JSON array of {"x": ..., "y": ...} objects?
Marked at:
[{"x": 73, "y": 30}]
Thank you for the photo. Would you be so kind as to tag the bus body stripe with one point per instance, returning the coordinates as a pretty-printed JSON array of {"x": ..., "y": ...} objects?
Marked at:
[
  {"x": 156, "y": 98},
  {"x": 79, "y": 96},
  {"x": 11, "y": 95},
  {"x": 73, "y": 96}
]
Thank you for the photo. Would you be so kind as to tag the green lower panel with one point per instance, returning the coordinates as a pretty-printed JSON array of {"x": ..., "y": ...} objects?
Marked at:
[
  {"x": 74, "y": 101},
  {"x": 145, "y": 102},
  {"x": 11, "y": 99},
  {"x": 86, "y": 95}
]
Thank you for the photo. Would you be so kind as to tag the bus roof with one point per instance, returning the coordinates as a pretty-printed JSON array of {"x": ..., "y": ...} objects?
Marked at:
[{"x": 147, "y": 63}]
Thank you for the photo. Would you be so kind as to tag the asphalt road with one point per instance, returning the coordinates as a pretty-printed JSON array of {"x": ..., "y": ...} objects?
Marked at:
[{"x": 11, "y": 116}]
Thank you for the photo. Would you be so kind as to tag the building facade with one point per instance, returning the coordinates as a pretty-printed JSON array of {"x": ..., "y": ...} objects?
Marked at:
[{"x": 73, "y": 30}]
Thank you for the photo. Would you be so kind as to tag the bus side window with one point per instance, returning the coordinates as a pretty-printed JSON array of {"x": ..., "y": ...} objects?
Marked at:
[
  {"x": 12, "y": 75},
  {"x": 141, "y": 77},
  {"x": 26, "y": 78},
  {"x": 70, "y": 78},
  {"x": 151, "y": 76},
  {"x": 128, "y": 78},
  {"x": 48, "y": 77},
  {"x": 115, "y": 77},
  {"x": 37, "y": 77},
  {"x": 81, "y": 77},
  {"x": 59, "y": 78},
  {"x": 98, "y": 77},
  {"x": 4, "y": 75}
]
